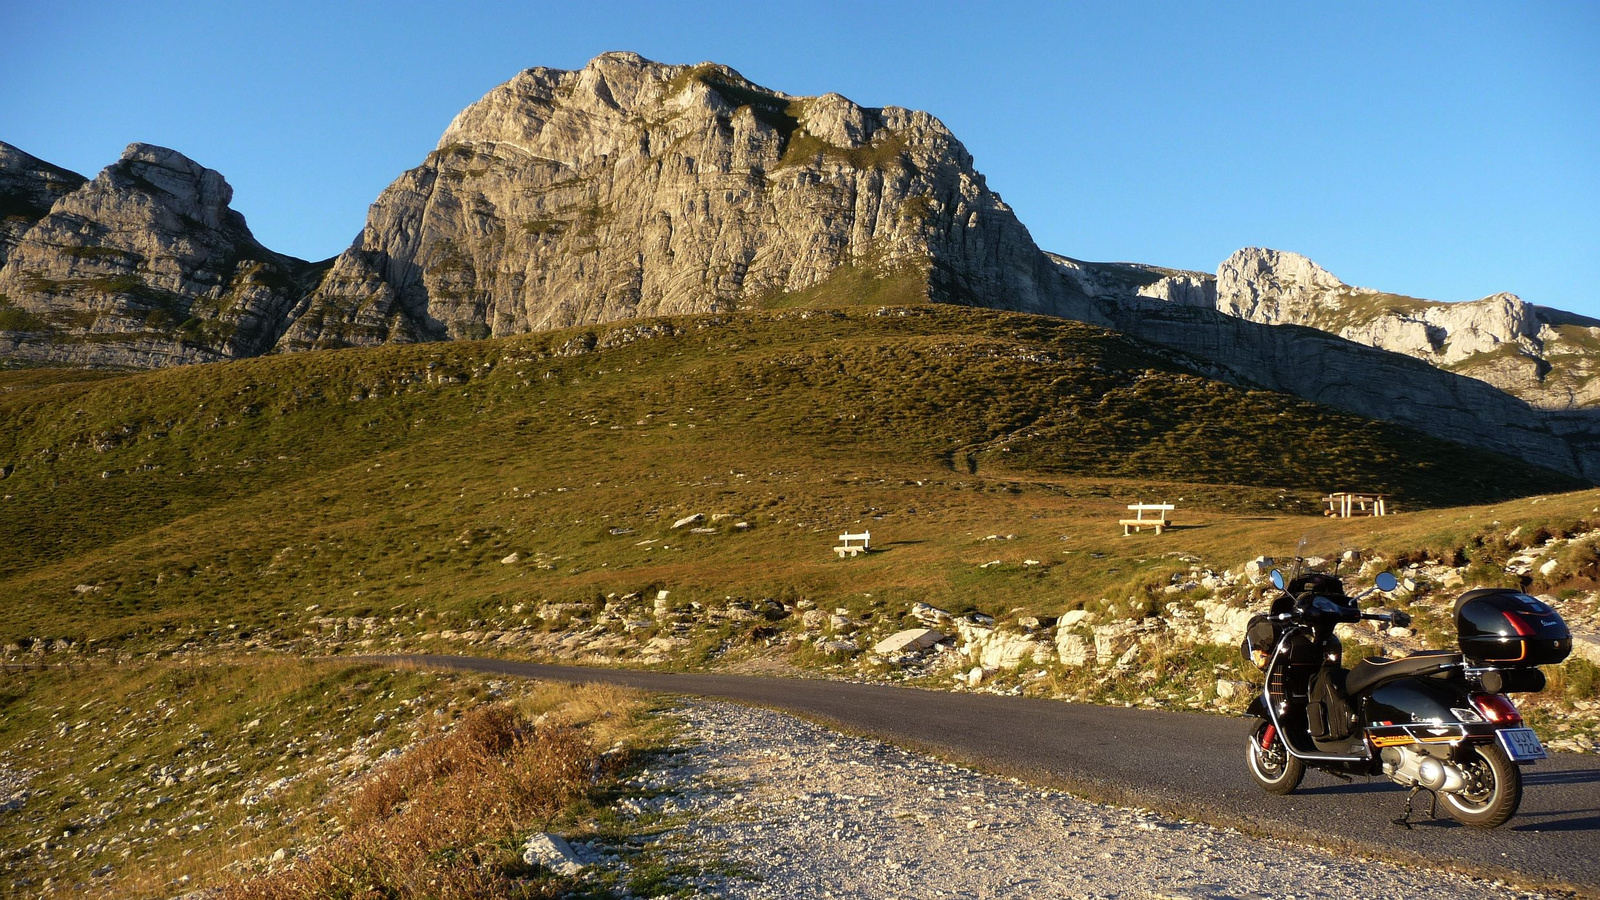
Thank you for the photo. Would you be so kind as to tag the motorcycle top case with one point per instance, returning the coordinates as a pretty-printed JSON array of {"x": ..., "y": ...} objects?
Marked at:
[{"x": 1510, "y": 628}]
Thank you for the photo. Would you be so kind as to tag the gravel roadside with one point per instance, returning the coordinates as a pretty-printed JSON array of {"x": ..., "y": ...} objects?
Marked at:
[{"x": 765, "y": 805}]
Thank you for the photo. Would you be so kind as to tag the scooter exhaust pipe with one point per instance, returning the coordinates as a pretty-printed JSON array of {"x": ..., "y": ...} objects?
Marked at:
[{"x": 1438, "y": 775}]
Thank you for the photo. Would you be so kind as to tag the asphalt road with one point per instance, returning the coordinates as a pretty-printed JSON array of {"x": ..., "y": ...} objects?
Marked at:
[{"x": 1186, "y": 764}]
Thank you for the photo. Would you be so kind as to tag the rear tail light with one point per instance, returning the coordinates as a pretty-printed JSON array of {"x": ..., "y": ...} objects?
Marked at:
[{"x": 1496, "y": 709}]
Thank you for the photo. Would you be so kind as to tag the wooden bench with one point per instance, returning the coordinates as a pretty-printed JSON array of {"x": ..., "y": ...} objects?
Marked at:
[
  {"x": 1344, "y": 504},
  {"x": 853, "y": 544},
  {"x": 1157, "y": 520}
]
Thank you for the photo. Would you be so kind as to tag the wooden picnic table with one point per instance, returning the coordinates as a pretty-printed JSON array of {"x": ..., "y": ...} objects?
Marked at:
[{"x": 1345, "y": 504}]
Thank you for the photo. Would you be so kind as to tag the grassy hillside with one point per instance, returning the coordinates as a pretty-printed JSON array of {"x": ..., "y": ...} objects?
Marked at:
[
  {"x": 241, "y": 500},
  {"x": 155, "y": 779}
]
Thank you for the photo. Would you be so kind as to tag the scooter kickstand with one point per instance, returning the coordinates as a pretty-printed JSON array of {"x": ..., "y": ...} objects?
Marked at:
[{"x": 1405, "y": 818}]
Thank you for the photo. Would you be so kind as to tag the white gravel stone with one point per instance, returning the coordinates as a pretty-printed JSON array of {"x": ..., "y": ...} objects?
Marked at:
[{"x": 800, "y": 811}]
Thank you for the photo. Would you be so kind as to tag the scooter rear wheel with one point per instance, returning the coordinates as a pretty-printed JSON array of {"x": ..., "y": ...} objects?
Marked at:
[
  {"x": 1493, "y": 791},
  {"x": 1272, "y": 766}
]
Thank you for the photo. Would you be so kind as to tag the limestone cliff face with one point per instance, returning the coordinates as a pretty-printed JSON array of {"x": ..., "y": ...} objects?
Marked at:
[
  {"x": 146, "y": 265},
  {"x": 28, "y": 188},
  {"x": 1543, "y": 356},
  {"x": 631, "y": 188},
  {"x": 1372, "y": 382},
  {"x": 1274, "y": 320}
]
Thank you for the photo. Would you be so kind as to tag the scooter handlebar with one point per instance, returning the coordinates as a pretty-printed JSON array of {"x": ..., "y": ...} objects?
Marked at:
[{"x": 1397, "y": 619}]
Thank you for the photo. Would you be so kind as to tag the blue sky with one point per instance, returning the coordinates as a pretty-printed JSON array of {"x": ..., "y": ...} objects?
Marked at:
[{"x": 1442, "y": 150}]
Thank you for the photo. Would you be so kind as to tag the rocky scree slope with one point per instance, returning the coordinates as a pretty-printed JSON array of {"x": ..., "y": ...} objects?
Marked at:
[{"x": 146, "y": 265}]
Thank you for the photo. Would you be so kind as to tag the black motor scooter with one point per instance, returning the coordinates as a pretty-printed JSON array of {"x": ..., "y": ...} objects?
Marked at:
[{"x": 1436, "y": 720}]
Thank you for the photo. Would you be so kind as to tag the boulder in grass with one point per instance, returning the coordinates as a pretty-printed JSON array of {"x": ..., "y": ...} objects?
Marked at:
[
  {"x": 909, "y": 641},
  {"x": 551, "y": 851}
]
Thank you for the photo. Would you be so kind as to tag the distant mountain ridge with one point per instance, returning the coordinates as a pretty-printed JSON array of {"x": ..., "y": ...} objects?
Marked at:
[
  {"x": 632, "y": 189},
  {"x": 1545, "y": 356}
]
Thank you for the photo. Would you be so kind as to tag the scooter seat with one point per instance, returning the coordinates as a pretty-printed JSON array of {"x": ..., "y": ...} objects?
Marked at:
[{"x": 1375, "y": 669}]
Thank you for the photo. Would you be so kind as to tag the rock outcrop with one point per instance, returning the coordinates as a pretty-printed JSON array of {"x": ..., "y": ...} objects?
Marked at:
[
  {"x": 1542, "y": 356},
  {"x": 146, "y": 265},
  {"x": 631, "y": 188},
  {"x": 28, "y": 188},
  {"x": 1371, "y": 382}
]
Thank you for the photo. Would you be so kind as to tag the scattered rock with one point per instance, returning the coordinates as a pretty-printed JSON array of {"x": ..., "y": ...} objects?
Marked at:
[
  {"x": 1072, "y": 649},
  {"x": 909, "y": 641},
  {"x": 1229, "y": 690},
  {"x": 552, "y": 852},
  {"x": 694, "y": 519},
  {"x": 1005, "y": 649},
  {"x": 1125, "y": 661},
  {"x": 1586, "y": 646}
]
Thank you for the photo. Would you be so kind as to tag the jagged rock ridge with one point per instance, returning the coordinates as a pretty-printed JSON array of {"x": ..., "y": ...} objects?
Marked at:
[
  {"x": 28, "y": 188},
  {"x": 1545, "y": 356},
  {"x": 146, "y": 265}
]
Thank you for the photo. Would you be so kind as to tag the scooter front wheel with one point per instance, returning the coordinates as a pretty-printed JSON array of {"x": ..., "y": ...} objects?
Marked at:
[
  {"x": 1270, "y": 762},
  {"x": 1493, "y": 791}
]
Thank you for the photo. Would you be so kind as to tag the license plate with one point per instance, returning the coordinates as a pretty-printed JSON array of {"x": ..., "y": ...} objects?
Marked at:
[{"x": 1521, "y": 744}]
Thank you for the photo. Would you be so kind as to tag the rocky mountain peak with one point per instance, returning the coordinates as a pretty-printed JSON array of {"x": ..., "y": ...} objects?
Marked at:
[
  {"x": 146, "y": 264},
  {"x": 175, "y": 190},
  {"x": 27, "y": 181},
  {"x": 634, "y": 188},
  {"x": 563, "y": 115},
  {"x": 1259, "y": 284},
  {"x": 630, "y": 188},
  {"x": 29, "y": 186},
  {"x": 177, "y": 182}
]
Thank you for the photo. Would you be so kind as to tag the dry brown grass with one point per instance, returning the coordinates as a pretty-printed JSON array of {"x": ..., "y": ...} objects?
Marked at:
[{"x": 435, "y": 822}]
